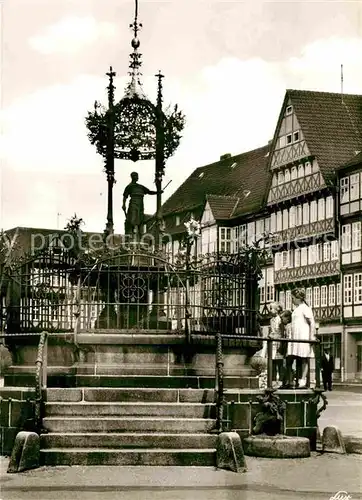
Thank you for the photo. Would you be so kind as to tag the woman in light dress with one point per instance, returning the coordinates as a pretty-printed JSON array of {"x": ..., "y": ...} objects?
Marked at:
[{"x": 303, "y": 328}]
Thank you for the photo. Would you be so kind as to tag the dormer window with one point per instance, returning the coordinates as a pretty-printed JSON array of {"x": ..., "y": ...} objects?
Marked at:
[
  {"x": 296, "y": 137},
  {"x": 289, "y": 110},
  {"x": 289, "y": 138}
]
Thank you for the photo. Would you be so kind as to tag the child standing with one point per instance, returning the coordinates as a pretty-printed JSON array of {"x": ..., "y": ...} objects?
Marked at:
[
  {"x": 276, "y": 333},
  {"x": 286, "y": 319}
]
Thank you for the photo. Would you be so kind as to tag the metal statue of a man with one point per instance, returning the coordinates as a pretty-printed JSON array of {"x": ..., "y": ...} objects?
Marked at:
[{"x": 135, "y": 213}]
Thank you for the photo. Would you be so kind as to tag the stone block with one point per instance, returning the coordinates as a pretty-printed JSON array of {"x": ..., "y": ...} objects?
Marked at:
[
  {"x": 294, "y": 415},
  {"x": 230, "y": 453},
  {"x": 26, "y": 452},
  {"x": 4, "y": 413},
  {"x": 239, "y": 414},
  {"x": 332, "y": 440},
  {"x": 353, "y": 444},
  {"x": 279, "y": 446}
]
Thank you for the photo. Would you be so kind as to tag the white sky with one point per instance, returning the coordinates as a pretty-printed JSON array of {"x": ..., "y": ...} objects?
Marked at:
[{"x": 227, "y": 65}]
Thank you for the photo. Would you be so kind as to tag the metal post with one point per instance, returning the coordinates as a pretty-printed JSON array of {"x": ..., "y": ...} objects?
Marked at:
[
  {"x": 317, "y": 353},
  {"x": 110, "y": 152},
  {"x": 44, "y": 376},
  {"x": 270, "y": 362},
  {"x": 160, "y": 158},
  {"x": 220, "y": 382}
]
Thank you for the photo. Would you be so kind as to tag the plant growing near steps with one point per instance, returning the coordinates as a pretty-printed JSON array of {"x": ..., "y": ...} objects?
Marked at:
[{"x": 270, "y": 417}]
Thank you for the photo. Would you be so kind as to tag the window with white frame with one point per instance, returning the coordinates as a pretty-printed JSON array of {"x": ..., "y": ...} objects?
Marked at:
[
  {"x": 299, "y": 216},
  {"x": 304, "y": 256},
  {"x": 315, "y": 168},
  {"x": 285, "y": 219},
  {"x": 277, "y": 260},
  {"x": 280, "y": 178},
  {"x": 274, "y": 180},
  {"x": 177, "y": 220},
  {"x": 292, "y": 217},
  {"x": 308, "y": 296},
  {"x": 354, "y": 187},
  {"x": 338, "y": 294},
  {"x": 327, "y": 251},
  {"x": 262, "y": 287},
  {"x": 316, "y": 296},
  {"x": 311, "y": 254},
  {"x": 329, "y": 207},
  {"x": 324, "y": 296},
  {"x": 273, "y": 222},
  {"x": 344, "y": 189},
  {"x": 287, "y": 175},
  {"x": 319, "y": 252},
  {"x": 332, "y": 295},
  {"x": 305, "y": 213},
  {"x": 356, "y": 235},
  {"x": 288, "y": 299},
  {"x": 242, "y": 235},
  {"x": 251, "y": 233},
  {"x": 297, "y": 257},
  {"x": 269, "y": 284},
  {"x": 347, "y": 289},
  {"x": 321, "y": 209},
  {"x": 346, "y": 238},
  {"x": 226, "y": 239},
  {"x": 285, "y": 259},
  {"x": 294, "y": 173},
  {"x": 358, "y": 288},
  {"x": 259, "y": 229},
  {"x": 300, "y": 171},
  {"x": 334, "y": 250},
  {"x": 296, "y": 136},
  {"x": 279, "y": 221},
  {"x": 307, "y": 168},
  {"x": 282, "y": 298},
  {"x": 313, "y": 211}
]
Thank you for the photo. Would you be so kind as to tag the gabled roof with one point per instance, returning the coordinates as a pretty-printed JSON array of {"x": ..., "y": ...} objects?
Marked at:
[
  {"x": 356, "y": 160},
  {"x": 222, "y": 207},
  {"x": 332, "y": 126},
  {"x": 242, "y": 176}
]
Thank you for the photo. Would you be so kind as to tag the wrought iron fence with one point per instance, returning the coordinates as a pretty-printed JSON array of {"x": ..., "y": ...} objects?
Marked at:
[{"x": 130, "y": 290}]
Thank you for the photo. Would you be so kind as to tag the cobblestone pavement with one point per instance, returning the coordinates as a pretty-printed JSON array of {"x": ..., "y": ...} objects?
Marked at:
[
  {"x": 319, "y": 477},
  {"x": 345, "y": 411}
]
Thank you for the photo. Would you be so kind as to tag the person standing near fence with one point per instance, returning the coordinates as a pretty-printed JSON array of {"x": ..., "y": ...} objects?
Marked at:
[
  {"x": 275, "y": 332},
  {"x": 303, "y": 328},
  {"x": 327, "y": 367}
]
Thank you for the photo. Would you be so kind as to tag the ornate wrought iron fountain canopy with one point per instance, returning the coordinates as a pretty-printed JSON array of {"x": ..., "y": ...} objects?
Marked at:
[{"x": 135, "y": 120}]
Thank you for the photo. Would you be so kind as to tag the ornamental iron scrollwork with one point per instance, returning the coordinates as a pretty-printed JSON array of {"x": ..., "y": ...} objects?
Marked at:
[
  {"x": 318, "y": 397},
  {"x": 133, "y": 288}
]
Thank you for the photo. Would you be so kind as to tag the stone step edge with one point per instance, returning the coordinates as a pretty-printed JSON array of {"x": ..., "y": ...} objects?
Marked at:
[
  {"x": 127, "y": 434},
  {"x": 127, "y": 403},
  {"x": 128, "y": 417},
  {"x": 127, "y": 450}
]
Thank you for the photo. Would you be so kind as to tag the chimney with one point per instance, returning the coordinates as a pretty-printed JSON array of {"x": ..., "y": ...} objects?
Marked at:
[{"x": 225, "y": 156}]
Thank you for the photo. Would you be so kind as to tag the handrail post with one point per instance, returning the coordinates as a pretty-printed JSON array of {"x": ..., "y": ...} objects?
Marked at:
[
  {"x": 317, "y": 351},
  {"x": 44, "y": 377},
  {"x": 270, "y": 362},
  {"x": 220, "y": 383}
]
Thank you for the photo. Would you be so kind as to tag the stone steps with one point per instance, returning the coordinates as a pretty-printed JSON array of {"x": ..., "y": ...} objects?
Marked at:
[
  {"x": 121, "y": 440},
  {"x": 61, "y": 379},
  {"x": 127, "y": 424},
  {"x": 109, "y": 456},
  {"x": 181, "y": 410}
]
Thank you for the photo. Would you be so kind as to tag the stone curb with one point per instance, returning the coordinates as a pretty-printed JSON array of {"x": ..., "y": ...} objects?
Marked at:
[
  {"x": 353, "y": 444},
  {"x": 277, "y": 446}
]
